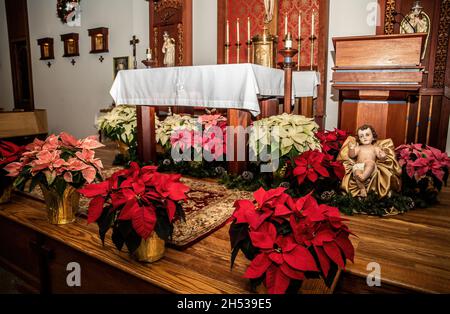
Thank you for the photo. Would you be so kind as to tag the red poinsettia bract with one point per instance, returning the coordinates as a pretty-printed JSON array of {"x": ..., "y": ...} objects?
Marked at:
[
  {"x": 311, "y": 165},
  {"x": 135, "y": 193},
  {"x": 331, "y": 141},
  {"x": 9, "y": 152},
  {"x": 289, "y": 236}
]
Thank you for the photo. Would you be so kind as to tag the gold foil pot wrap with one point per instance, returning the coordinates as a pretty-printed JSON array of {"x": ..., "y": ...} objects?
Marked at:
[
  {"x": 61, "y": 208},
  {"x": 150, "y": 250},
  {"x": 265, "y": 49},
  {"x": 5, "y": 194}
]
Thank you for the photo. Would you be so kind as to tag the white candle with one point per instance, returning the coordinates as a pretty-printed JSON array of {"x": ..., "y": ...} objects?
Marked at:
[
  {"x": 237, "y": 30},
  {"x": 312, "y": 23},
  {"x": 299, "y": 25},
  {"x": 285, "y": 25},
  {"x": 248, "y": 29},
  {"x": 228, "y": 32}
]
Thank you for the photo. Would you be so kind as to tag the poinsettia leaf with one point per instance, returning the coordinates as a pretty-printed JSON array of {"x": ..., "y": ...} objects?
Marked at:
[
  {"x": 333, "y": 251},
  {"x": 264, "y": 237},
  {"x": 104, "y": 222},
  {"x": 171, "y": 209},
  {"x": 323, "y": 236},
  {"x": 95, "y": 208},
  {"x": 234, "y": 254},
  {"x": 346, "y": 246},
  {"x": 291, "y": 272},
  {"x": 258, "y": 266},
  {"x": 132, "y": 241},
  {"x": 300, "y": 258},
  {"x": 118, "y": 238},
  {"x": 276, "y": 281},
  {"x": 143, "y": 220},
  {"x": 331, "y": 275},
  {"x": 163, "y": 227},
  {"x": 323, "y": 260},
  {"x": 238, "y": 233}
]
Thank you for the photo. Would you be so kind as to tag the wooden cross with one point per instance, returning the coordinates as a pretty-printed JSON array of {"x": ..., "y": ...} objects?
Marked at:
[{"x": 134, "y": 41}]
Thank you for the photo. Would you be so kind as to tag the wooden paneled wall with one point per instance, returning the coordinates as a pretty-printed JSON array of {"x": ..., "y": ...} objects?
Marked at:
[{"x": 430, "y": 109}]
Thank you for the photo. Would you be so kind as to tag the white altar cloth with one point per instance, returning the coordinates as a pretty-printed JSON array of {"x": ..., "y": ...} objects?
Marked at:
[{"x": 213, "y": 86}]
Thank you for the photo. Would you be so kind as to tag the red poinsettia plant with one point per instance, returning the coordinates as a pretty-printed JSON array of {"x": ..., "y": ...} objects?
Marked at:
[
  {"x": 59, "y": 160},
  {"x": 318, "y": 171},
  {"x": 332, "y": 141},
  {"x": 425, "y": 170},
  {"x": 135, "y": 202},
  {"x": 9, "y": 152},
  {"x": 288, "y": 240}
]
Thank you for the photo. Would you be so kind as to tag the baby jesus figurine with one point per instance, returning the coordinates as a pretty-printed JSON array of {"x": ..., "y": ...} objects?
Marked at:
[{"x": 366, "y": 154}]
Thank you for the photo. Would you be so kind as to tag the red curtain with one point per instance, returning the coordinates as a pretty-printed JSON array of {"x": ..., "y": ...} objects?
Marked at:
[{"x": 254, "y": 9}]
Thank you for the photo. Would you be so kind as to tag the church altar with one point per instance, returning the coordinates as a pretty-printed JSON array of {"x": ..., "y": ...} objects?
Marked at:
[{"x": 231, "y": 86}]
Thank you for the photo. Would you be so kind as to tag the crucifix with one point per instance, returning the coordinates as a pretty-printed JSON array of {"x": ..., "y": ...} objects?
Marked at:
[{"x": 134, "y": 41}]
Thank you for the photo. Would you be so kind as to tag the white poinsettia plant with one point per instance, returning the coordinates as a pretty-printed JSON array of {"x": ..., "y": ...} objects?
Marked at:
[
  {"x": 288, "y": 133},
  {"x": 119, "y": 124}
]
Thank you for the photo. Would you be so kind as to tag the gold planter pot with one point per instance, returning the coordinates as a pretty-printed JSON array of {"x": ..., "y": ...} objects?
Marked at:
[
  {"x": 61, "y": 209},
  {"x": 5, "y": 194},
  {"x": 150, "y": 250}
]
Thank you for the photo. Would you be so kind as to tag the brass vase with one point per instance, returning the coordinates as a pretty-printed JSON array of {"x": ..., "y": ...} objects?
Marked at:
[
  {"x": 61, "y": 208},
  {"x": 5, "y": 194},
  {"x": 150, "y": 250}
]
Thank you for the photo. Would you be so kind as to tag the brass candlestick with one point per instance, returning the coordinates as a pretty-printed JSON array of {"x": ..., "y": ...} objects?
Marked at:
[
  {"x": 249, "y": 50},
  {"x": 299, "y": 48},
  {"x": 238, "y": 50},
  {"x": 288, "y": 57},
  {"x": 312, "y": 38},
  {"x": 227, "y": 53}
]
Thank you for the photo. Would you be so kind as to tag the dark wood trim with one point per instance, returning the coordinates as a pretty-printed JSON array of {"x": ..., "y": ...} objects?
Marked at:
[
  {"x": 146, "y": 133},
  {"x": 237, "y": 118},
  {"x": 321, "y": 102},
  {"x": 17, "y": 23},
  {"x": 445, "y": 109},
  {"x": 221, "y": 28},
  {"x": 187, "y": 29}
]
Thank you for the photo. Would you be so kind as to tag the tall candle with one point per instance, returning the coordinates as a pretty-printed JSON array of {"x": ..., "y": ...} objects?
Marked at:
[
  {"x": 299, "y": 25},
  {"x": 237, "y": 30},
  {"x": 285, "y": 24},
  {"x": 228, "y": 32},
  {"x": 248, "y": 29},
  {"x": 312, "y": 23}
]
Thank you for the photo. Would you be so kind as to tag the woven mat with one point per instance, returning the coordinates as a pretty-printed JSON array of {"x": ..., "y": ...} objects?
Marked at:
[{"x": 209, "y": 206}]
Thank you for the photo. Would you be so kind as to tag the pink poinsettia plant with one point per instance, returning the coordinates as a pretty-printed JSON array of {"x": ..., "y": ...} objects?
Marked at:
[
  {"x": 59, "y": 160},
  {"x": 135, "y": 202},
  {"x": 211, "y": 139},
  {"x": 288, "y": 240},
  {"x": 425, "y": 170},
  {"x": 423, "y": 160}
]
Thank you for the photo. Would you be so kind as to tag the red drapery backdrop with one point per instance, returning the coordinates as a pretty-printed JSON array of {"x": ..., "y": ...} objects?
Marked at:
[{"x": 254, "y": 9}]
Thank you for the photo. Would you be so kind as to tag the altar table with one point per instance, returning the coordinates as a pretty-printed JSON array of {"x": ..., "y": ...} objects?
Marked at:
[
  {"x": 230, "y": 86},
  {"x": 242, "y": 89}
]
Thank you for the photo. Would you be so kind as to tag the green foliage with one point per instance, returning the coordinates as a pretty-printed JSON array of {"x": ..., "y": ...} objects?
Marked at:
[{"x": 371, "y": 205}]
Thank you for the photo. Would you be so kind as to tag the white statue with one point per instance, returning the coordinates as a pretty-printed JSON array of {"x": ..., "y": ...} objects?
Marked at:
[
  {"x": 268, "y": 9},
  {"x": 168, "y": 50},
  {"x": 417, "y": 21}
]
